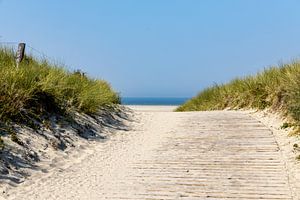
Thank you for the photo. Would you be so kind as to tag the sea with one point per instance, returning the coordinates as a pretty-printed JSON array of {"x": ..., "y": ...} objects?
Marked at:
[{"x": 170, "y": 101}]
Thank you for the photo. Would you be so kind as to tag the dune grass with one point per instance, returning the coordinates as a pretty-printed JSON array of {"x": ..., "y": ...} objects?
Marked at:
[
  {"x": 37, "y": 87},
  {"x": 277, "y": 88}
]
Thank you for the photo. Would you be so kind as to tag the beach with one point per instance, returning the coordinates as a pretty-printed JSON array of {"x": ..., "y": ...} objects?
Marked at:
[
  {"x": 149, "y": 100},
  {"x": 176, "y": 155}
]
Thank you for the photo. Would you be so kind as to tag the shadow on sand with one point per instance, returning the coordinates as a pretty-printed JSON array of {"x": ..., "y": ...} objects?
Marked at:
[{"x": 59, "y": 134}]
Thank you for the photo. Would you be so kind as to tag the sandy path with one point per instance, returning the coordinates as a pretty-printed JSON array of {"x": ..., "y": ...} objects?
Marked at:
[{"x": 200, "y": 155}]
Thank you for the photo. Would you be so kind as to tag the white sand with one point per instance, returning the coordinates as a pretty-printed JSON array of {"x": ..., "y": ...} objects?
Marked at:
[
  {"x": 285, "y": 142},
  {"x": 167, "y": 155}
]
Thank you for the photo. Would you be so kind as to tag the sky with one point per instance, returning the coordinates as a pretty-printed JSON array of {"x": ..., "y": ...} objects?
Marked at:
[{"x": 157, "y": 48}]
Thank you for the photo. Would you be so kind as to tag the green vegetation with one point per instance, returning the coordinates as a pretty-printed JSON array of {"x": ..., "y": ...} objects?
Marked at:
[
  {"x": 276, "y": 88},
  {"x": 38, "y": 87}
]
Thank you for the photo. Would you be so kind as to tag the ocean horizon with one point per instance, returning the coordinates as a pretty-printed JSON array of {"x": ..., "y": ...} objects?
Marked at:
[{"x": 171, "y": 101}]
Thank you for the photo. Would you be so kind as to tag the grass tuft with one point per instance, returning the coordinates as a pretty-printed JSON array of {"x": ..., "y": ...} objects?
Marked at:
[
  {"x": 38, "y": 87},
  {"x": 1, "y": 143},
  {"x": 15, "y": 138},
  {"x": 277, "y": 88}
]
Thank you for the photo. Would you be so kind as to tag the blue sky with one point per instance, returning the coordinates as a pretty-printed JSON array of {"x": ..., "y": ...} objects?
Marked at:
[{"x": 158, "y": 48}]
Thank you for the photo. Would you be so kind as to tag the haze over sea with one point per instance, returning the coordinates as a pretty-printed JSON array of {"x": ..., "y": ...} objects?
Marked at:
[{"x": 153, "y": 100}]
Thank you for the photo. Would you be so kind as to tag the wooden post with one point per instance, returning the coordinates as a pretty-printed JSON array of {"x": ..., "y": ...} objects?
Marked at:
[{"x": 20, "y": 53}]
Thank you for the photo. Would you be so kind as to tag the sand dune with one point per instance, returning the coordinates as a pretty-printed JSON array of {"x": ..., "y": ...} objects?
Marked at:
[{"x": 168, "y": 155}]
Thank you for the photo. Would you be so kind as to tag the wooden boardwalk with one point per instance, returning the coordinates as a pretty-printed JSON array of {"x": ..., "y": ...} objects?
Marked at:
[{"x": 200, "y": 155}]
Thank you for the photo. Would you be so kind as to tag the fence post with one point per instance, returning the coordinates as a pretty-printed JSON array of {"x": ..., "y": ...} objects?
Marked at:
[{"x": 20, "y": 53}]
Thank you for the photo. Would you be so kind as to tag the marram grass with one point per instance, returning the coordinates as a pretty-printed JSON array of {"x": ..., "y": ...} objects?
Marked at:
[
  {"x": 276, "y": 88},
  {"x": 37, "y": 85}
]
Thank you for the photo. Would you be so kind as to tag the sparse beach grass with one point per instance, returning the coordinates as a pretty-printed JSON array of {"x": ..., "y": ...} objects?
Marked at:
[{"x": 276, "y": 88}]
